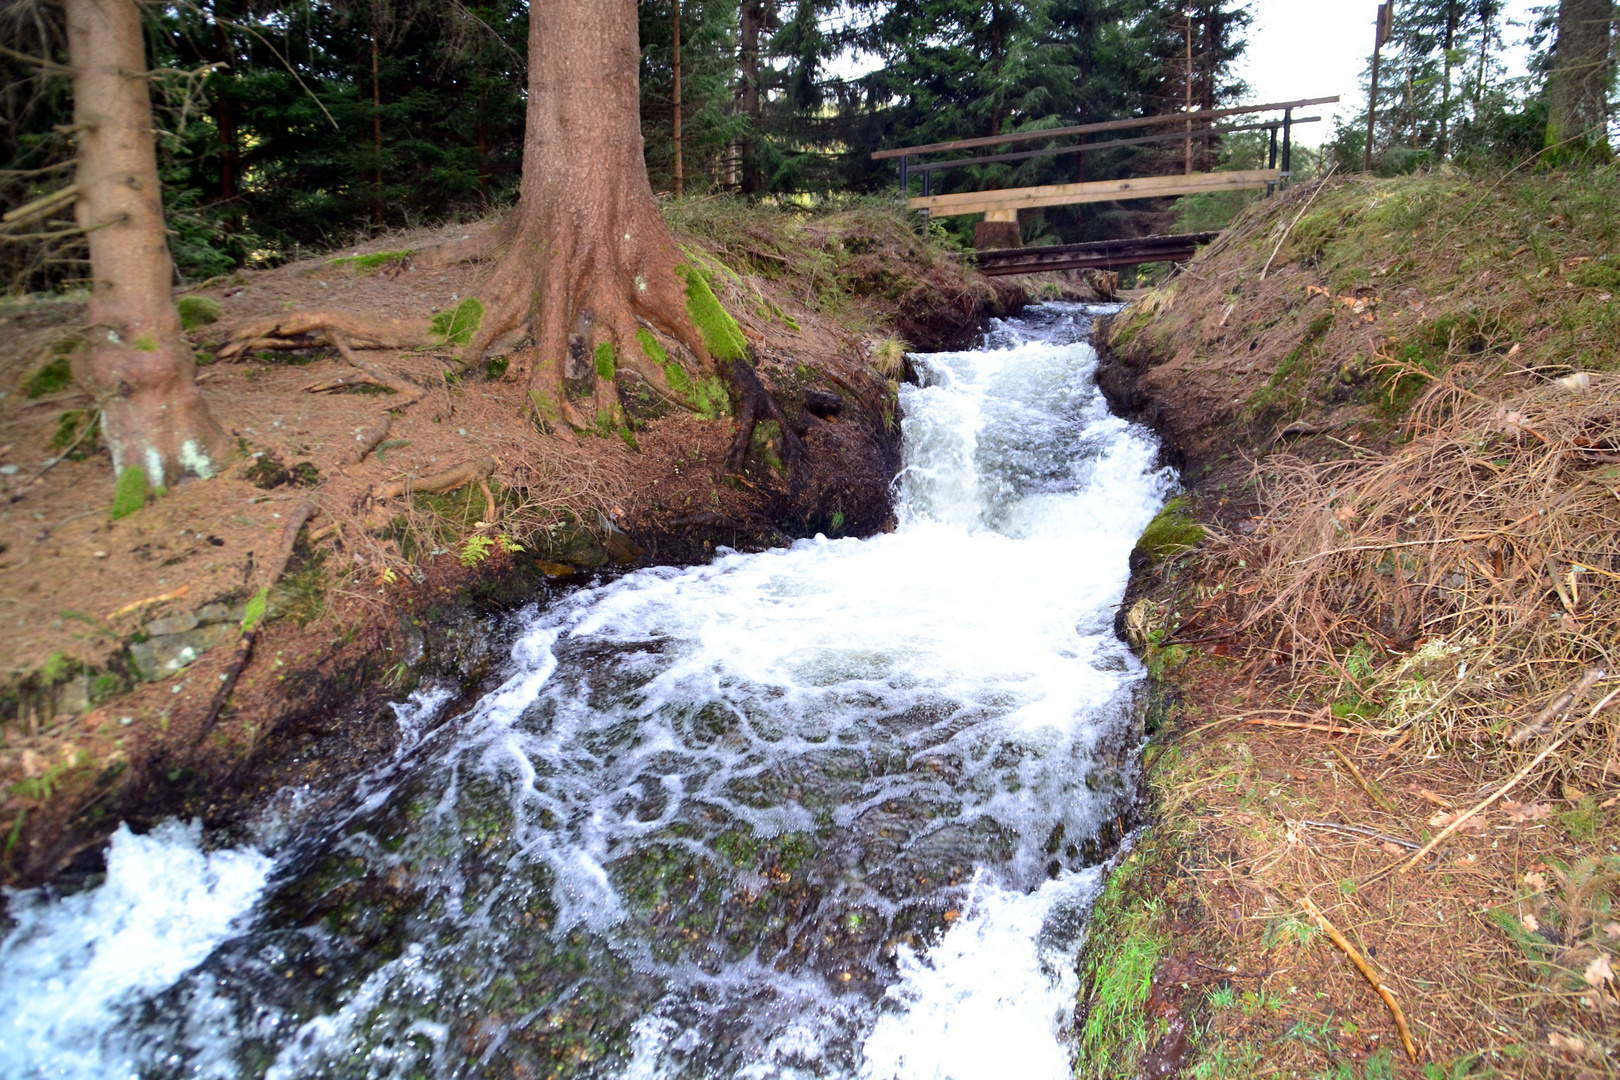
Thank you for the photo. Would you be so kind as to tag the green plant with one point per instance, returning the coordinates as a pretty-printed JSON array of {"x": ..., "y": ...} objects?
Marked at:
[
  {"x": 372, "y": 262},
  {"x": 720, "y": 331},
  {"x": 889, "y": 357},
  {"x": 78, "y": 434},
  {"x": 131, "y": 493},
  {"x": 50, "y": 378},
  {"x": 457, "y": 325},
  {"x": 476, "y": 550},
  {"x": 1581, "y": 821},
  {"x": 197, "y": 311}
]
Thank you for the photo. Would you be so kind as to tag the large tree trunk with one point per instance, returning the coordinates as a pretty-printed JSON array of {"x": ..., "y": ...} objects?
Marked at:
[
  {"x": 590, "y": 259},
  {"x": 751, "y": 23},
  {"x": 139, "y": 361},
  {"x": 1578, "y": 85}
]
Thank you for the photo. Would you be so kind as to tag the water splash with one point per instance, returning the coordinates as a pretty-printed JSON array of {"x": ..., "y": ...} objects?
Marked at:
[{"x": 833, "y": 810}]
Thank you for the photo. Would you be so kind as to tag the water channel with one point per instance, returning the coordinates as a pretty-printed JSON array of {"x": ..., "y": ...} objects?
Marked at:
[{"x": 834, "y": 810}]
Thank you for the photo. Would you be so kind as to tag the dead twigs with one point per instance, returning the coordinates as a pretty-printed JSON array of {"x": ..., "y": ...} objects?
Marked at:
[
  {"x": 1366, "y": 785},
  {"x": 1367, "y": 972},
  {"x": 1512, "y": 783}
]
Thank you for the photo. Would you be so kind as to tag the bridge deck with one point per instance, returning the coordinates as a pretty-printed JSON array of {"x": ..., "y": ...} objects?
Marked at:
[
  {"x": 1098, "y": 254},
  {"x": 1143, "y": 187}
]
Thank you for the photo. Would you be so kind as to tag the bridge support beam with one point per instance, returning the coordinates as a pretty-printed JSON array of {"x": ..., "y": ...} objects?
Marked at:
[
  {"x": 1144, "y": 187},
  {"x": 999, "y": 229}
]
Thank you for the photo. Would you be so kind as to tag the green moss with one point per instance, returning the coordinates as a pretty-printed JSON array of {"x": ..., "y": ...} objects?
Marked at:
[
  {"x": 254, "y": 614},
  {"x": 1581, "y": 822},
  {"x": 1172, "y": 530},
  {"x": 711, "y": 398},
  {"x": 457, "y": 325},
  {"x": 59, "y": 667},
  {"x": 605, "y": 365},
  {"x": 495, "y": 367},
  {"x": 130, "y": 494},
  {"x": 720, "y": 331},
  {"x": 763, "y": 445},
  {"x": 1127, "y": 939},
  {"x": 197, "y": 311},
  {"x": 49, "y": 379},
  {"x": 370, "y": 264},
  {"x": 145, "y": 343},
  {"x": 70, "y": 432},
  {"x": 650, "y": 347}
]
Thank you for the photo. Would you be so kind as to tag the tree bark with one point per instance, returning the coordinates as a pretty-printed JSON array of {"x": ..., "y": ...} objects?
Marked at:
[
  {"x": 752, "y": 22},
  {"x": 1578, "y": 85},
  {"x": 154, "y": 416},
  {"x": 225, "y": 113},
  {"x": 590, "y": 259},
  {"x": 675, "y": 56}
]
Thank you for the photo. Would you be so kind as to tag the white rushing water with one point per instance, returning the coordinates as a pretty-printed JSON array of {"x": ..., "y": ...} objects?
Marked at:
[{"x": 833, "y": 810}]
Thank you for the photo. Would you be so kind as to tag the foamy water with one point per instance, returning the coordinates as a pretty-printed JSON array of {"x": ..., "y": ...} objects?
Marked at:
[{"x": 834, "y": 810}]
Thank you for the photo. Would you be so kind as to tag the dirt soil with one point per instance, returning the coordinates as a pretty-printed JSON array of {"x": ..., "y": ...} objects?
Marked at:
[
  {"x": 1314, "y": 730},
  {"x": 377, "y": 587}
]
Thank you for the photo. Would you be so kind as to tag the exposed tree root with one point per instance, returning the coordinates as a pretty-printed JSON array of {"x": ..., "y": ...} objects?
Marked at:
[
  {"x": 753, "y": 404},
  {"x": 384, "y": 377},
  {"x": 304, "y": 329},
  {"x": 448, "y": 480}
]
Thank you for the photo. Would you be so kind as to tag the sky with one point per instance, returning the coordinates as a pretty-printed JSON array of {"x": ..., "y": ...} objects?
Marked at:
[
  {"x": 1312, "y": 48},
  {"x": 1318, "y": 48}
]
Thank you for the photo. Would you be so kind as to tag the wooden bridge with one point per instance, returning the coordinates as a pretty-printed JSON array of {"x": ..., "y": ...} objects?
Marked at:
[{"x": 1000, "y": 207}]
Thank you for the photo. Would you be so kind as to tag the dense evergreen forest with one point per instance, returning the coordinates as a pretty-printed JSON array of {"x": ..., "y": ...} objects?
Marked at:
[{"x": 289, "y": 125}]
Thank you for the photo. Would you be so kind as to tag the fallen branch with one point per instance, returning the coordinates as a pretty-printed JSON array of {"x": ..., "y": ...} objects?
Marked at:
[
  {"x": 448, "y": 480},
  {"x": 42, "y": 206},
  {"x": 158, "y": 599},
  {"x": 344, "y": 382},
  {"x": 1556, "y": 708},
  {"x": 1366, "y": 785},
  {"x": 370, "y": 440},
  {"x": 253, "y": 620},
  {"x": 1465, "y": 816},
  {"x": 1329, "y": 728},
  {"x": 1359, "y": 831},
  {"x": 381, "y": 374},
  {"x": 1320, "y": 185},
  {"x": 1366, "y": 970}
]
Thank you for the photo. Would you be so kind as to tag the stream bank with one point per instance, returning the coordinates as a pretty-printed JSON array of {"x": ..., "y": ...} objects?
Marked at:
[
  {"x": 1352, "y": 619},
  {"x": 123, "y": 628}
]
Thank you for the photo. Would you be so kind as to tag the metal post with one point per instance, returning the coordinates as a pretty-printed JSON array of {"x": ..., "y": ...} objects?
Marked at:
[
  {"x": 927, "y": 185},
  {"x": 905, "y": 181},
  {"x": 1272, "y": 162},
  {"x": 1288, "y": 142}
]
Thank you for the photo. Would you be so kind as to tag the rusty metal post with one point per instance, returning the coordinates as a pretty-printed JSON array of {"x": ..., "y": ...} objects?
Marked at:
[{"x": 1288, "y": 143}]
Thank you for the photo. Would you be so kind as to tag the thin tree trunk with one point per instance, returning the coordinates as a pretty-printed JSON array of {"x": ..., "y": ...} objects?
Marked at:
[
  {"x": 1445, "y": 83},
  {"x": 154, "y": 417},
  {"x": 1188, "y": 166},
  {"x": 225, "y": 114},
  {"x": 1484, "y": 52},
  {"x": 680, "y": 169},
  {"x": 376, "y": 128},
  {"x": 1578, "y": 85},
  {"x": 753, "y": 21},
  {"x": 483, "y": 145}
]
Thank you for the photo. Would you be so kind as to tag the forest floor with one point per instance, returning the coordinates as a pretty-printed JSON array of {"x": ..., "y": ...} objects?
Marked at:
[
  {"x": 117, "y": 633},
  {"x": 1390, "y": 595}
]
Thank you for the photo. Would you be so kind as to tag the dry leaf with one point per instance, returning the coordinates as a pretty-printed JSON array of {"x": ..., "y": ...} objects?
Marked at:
[
  {"x": 1599, "y": 971},
  {"x": 1520, "y": 813},
  {"x": 1529, "y": 922},
  {"x": 1535, "y": 880},
  {"x": 1475, "y": 824},
  {"x": 1612, "y": 931},
  {"x": 1566, "y": 1042},
  {"x": 1573, "y": 793},
  {"x": 1392, "y": 849}
]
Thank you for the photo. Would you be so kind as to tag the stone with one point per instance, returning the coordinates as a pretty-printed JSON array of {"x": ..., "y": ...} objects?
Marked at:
[
  {"x": 575, "y": 545},
  {"x": 173, "y": 624},
  {"x": 620, "y": 545},
  {"x": 209, "y": 614},
  {"x": 823, "y": 403},
  {"x": 159, "y": 657}
]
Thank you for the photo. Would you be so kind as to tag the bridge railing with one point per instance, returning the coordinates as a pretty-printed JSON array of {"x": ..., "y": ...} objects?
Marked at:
[{"x": 1199, "y": 124}]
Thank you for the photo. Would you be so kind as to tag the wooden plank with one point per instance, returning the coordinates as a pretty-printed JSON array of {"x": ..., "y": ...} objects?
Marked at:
[
  {"x": 1111, "y": 144},
  {"x": 1039, "y": 260},
  {"x": 1107, "y": 125},
  {"x": 1169, "y": 241},
  {"x": 1140, "y": 187}
]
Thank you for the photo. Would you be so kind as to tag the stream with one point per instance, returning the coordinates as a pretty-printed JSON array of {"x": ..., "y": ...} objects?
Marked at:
[{"x": 833, "y": 810}]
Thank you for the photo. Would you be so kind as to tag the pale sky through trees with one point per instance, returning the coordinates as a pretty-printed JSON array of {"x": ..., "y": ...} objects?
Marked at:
[{"x": 1317, "y": 48}]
